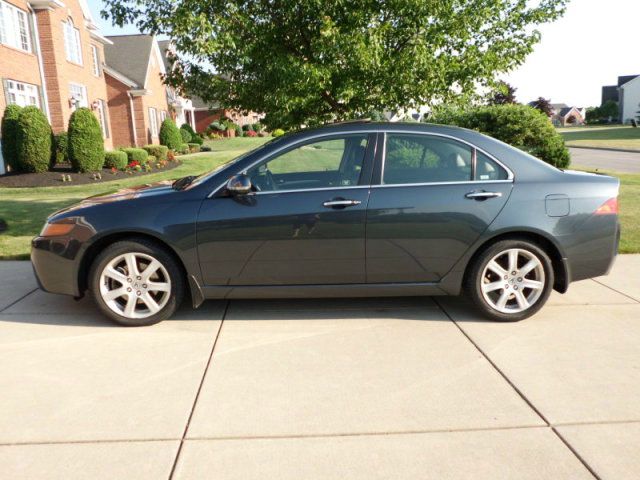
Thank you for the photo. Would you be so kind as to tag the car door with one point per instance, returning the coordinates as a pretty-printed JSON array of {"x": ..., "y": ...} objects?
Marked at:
[
  {"x": 434, "y": 198},
  {"x": 304, "y": 225}
]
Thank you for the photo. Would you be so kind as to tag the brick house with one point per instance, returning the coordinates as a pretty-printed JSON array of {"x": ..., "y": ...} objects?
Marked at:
[
  {"x": 51, "y": 57},
  {"x": 206, "y": 113},
  {"x": 181, "y": 107},
  {"x": 137, "y": 98}
]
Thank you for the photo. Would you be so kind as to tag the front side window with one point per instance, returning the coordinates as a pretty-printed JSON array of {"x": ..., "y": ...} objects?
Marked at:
[
  {"x": 78, "y": 96},
  {"x": 336, "y": 162},
  {"x": 14, "y": 27},
  {"x": 153, "y": 122},
  {"x": 23, "y": 94},
  {"x": 72, "y": 42},
  {"x": 95, "y": 61},
  {"x": 414, "y": 158}
]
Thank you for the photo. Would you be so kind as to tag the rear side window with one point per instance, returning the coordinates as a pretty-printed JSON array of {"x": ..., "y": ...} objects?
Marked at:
[
  {"x": 487, "y": 169},
  {"x": 413, "y": 158}
]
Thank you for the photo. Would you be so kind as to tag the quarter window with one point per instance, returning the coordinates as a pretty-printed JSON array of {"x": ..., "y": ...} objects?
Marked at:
[
  {"x": 72, "y": 42},
  {"x": 487, "y": 169},
  {"x": 425, "y": 159},
  {"x": 14, "y": 27},
  {"x": 23, "y": 94},
  {"x": 321, "y": 164}
]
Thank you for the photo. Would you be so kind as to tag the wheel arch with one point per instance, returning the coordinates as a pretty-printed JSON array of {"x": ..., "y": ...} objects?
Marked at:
[
  {"x": 103, "y": 242},
  {"x": 558, "y": 262}
]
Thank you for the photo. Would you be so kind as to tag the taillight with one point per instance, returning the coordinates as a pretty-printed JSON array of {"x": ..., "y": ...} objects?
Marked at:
[{"x": 610, "y": 207}]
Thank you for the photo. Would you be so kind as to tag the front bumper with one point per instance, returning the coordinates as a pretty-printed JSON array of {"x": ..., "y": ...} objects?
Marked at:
[{"x": 54, "y": 262}]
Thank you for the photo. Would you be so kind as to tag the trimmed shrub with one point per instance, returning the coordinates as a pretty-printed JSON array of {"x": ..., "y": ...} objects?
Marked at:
[
  {"x": 257, "y": 127},
  {"x": 116, "y": 159},
  {"x": 158, "y": 151},
  {"x": 239, "y": 132},
  {"x": 217, "y": 126},
  {"x": 136, "y": 155},
  {"x": 170, "y": 134},
  {"x": 278, "y": 132},
  {"x": 188, "y": 128},
  {"x": 9, "y": 132},
  {"x": 194, "y": 147},
  {"x": 247, "y": 126},
  {"x": 186, "y": 136},
  {"x": 520, "y": 126},
  {"x": 182, "y": 149},
  {"x": 86, "y": 145},
  {"x": 60, "y": 149},
  {"x": 197, "y": 139},
  {"x": 33, "y": 141}
]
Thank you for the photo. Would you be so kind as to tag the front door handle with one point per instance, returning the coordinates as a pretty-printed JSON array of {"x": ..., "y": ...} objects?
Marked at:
[
  {"x": 483, "y": 195},
  {"x": 341, "y": 203}
]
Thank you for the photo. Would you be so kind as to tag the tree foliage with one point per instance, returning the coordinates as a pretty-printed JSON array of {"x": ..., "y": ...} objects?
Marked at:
[
  {"x": 311, "y": 61},
  {"x": 502, "y": 94},
  {"x": 9, "y": 132},
  {"x": 33, "y": 141},
  {"x": 544, "y": 105},
  {"x": 170, "y": 135},
  {"x": 518, "y": 125},
  {"x": 605, "y": 113}
]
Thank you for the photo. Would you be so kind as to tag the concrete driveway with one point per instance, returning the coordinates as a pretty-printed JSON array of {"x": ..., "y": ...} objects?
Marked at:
[
  {"x": 606, "y": 160},
  {"x": 322, "y": 389}
]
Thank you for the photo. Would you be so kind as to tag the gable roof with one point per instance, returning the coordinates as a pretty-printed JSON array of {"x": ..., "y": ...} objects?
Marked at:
[
  {"x": 626, "y": 79},
  {"x": 559, "y": 106},
  {"x": 129, "y": 55}
]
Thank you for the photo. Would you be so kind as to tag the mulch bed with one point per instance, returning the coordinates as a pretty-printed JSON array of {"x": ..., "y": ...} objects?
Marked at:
[{"x": 54, "y": 178}]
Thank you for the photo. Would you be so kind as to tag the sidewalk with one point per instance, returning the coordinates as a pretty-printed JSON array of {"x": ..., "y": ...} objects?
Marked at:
[{"x": 321, "y": 389}]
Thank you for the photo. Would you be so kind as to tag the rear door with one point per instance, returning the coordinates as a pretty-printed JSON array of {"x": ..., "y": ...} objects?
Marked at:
[{"x": 435, "y": 197}]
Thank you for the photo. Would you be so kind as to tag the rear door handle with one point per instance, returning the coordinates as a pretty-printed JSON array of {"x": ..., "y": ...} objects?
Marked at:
[
  {"x": 483, "y": 195},
  {"x": 341, "y": 203}
]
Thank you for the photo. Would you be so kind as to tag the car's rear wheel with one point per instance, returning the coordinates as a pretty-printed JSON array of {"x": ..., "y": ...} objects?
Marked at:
[
  {"x": 511, "y": 280},
  {"x": 136, "y": 283}
]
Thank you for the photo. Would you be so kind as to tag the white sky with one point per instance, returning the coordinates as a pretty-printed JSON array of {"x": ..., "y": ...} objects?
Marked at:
[{"x": 593, "y": 43}]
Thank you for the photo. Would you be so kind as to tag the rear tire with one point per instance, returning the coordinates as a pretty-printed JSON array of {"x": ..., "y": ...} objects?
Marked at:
[
  {"x": 136, "y": 283},
  {"x": 510, "y": 280}
]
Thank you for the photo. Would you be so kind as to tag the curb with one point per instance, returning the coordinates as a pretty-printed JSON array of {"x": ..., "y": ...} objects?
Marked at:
[{"x": 605, "y": 149}]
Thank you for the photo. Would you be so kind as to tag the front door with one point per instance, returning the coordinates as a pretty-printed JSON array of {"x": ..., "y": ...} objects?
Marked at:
[
  {"x": 436, "y": 197},
  {"x": 304, "y": 224}
]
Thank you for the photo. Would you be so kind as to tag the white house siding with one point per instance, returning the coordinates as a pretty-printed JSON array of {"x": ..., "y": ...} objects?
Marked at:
[{"x": 630, "y": 100}]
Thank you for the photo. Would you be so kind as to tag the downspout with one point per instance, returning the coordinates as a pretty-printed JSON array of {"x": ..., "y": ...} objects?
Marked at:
[
  {"x": 133, "y": 120},
  {"x": 36, "y": 43}
]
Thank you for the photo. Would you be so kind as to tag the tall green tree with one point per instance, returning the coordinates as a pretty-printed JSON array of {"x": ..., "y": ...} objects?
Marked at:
[
  {"x": 311, "y": 61},
  {"x": 503, "y": 94}
]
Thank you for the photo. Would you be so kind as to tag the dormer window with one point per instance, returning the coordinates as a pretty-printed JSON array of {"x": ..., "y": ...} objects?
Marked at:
[{"x": 72, "y": 42}]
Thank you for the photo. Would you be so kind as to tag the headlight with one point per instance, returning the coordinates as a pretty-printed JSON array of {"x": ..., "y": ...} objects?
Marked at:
[{"x": 56, "y": 229}]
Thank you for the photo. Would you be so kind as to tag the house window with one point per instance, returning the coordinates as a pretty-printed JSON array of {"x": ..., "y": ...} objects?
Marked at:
[
  {"x": 102, "y": 118},
  {"x": 23, "y": 94},
  {"x": 72, "y": 42},
  {"x": 163, "y": 116},
  {"x": 95, "y": 61},
  {"x": 153, "y": 122},
  {"x": 14, "y": 27},
  {"x": 78, "y": 96}
]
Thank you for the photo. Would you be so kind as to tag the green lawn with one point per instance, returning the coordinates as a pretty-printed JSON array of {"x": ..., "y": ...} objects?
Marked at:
[
  {"x": 603, "y": 136},
  {"x": 25, "y": 209}
]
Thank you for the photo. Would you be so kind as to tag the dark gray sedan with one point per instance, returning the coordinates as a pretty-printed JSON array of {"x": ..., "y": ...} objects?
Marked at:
[{"x": 353, "y": 209}]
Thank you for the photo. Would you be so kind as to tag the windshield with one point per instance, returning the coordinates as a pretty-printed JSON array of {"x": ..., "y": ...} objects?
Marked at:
[{"x": 207, "y": 175}]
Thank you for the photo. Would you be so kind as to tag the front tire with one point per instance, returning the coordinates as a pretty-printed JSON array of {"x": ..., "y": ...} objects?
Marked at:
[
  {"x": 510, "y": 281},
  {"x": 136, "y": 283}
]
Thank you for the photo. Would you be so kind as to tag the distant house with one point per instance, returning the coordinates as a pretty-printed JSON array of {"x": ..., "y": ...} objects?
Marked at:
[
  {"x": 208, "y": 112},
  {"x": 626, "y": 93},
  {"x": 181, "y": 107},
  {"x": 137, "y": 96},
  {"x": 563, "y": 115}
]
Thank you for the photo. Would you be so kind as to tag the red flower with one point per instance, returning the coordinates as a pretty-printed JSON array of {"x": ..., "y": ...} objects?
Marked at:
[{"x": 133, "y": 164}]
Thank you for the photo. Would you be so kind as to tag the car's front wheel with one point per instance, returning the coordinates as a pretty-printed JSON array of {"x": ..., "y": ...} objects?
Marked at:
[
  {"x": 511, "y": 280},
  {"x": 136, "y": 283}
]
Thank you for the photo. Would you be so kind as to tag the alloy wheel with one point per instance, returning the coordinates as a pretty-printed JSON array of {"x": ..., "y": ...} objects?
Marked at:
[
  {"x": 135, "y": 285},
  {"x": 513, "y": 281}
]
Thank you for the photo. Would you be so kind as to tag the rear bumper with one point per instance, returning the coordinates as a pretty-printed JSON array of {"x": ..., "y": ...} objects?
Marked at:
[
  {"x": 54, "y": 263},
  {"x": 595, "y": 257}
]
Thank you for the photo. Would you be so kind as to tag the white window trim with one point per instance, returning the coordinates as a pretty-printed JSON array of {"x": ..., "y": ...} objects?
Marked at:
[
  {"x": 95, "y": 61},
  {"x": 72, "y": 46},
  {"x": 84, "y": 100},
  {"x": 12, "y": 87},
  {"x": 12, "y": 29},
  {"x": 163, "y": 115},
  {"x": 102, "y": 119},
  {"x": 153, "y": 121}
]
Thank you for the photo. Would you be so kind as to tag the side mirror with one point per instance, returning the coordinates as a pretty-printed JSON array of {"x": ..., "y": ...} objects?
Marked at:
[{"x": 239, "y": 184}]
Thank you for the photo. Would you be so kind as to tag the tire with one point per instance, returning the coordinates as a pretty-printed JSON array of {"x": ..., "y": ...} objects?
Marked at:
[
  {"x": 490, "y": 269},
  {"x": 145, "y": 299}
]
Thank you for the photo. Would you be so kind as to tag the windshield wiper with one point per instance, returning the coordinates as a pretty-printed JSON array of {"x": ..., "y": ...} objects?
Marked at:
[{"x": 183, "y": 182}]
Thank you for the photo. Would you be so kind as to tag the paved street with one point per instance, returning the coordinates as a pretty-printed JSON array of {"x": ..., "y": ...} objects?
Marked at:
[
  {"x": 322, "y": 389},
  {"x": 605, "y": 160}
]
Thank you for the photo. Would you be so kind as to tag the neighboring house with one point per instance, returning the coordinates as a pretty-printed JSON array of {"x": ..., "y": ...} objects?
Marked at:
[
  {"x": 137, "y": 96},
  {"x": 181, "y": 107},
  {"x": 563, "y": 115},
  {"x": 51, "y": 56},
  {"x": 626, "y": 93},
  {"x": 206, "y": 113}
]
